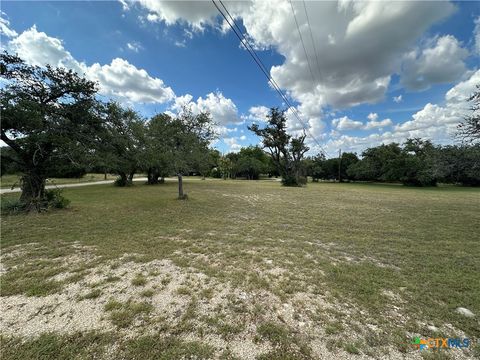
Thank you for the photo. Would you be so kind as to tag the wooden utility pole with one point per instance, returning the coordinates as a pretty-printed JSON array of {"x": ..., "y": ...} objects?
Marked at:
[{"x": 340, "y": 165}]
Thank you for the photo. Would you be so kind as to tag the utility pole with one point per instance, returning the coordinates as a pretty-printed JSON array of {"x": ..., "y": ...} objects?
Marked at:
[{"x": 340, "y": 165}]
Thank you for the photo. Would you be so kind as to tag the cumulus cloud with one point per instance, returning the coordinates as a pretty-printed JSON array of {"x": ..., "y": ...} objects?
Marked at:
[
  {"x": 359, "y": 44},
  {"x": 398, "y": 99},
  {"x": 223, "y": 110},
  {"x": 476, "y": 36},
  {"x": 435, "y": 122},
  {"x": 37, "y": 48},
  {"x": 124, "y": 80},
  {"x": 257, "y": 113},
  {"x": 119, "y": 79},
  {"x": 5, "y": 27},
  {"x": 232, "y": 143},
  {"x": 442, "y": 61},
  {"x": 196, "y": 14},
  {"x": 373, "y": 124},
  {"x": 345, "y": 123}
]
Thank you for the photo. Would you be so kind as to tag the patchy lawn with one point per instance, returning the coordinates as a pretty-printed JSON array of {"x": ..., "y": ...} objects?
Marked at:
[{"x": 242, "y": 270}]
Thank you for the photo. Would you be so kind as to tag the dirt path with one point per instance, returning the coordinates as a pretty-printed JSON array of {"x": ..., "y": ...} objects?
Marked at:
[{"x": 17, "y": 189}]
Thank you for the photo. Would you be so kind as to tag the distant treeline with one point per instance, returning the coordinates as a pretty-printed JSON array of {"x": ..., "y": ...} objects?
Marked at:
[{"x": 416, "y": 162}]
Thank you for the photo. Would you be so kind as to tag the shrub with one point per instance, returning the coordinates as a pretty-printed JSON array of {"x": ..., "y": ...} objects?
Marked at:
[
  {"x": 290, "y": 180},
  {"x": 53, "y": 199}
]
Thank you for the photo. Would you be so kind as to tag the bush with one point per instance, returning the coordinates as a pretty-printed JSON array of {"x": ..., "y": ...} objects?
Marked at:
[
  {"x": 290, "y": 180},
  {"x": 53, "y": 199},
  {"x": 122, "y": 181}
]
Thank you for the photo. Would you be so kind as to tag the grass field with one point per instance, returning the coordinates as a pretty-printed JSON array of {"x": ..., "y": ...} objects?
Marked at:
[{"x": 242, "y": 270}]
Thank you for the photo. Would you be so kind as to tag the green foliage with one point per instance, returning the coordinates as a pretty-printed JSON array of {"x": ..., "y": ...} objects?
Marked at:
[
  {"x": 286, "y": 151},
  {"x": 458, "y": 164},
  {"x": 49, "y": 117},
  {"x": 123, "y": 142},
  {"x": 249, "y": 163},
  {"x": 52, "y": 199},
  {"x": 419, "y": 163},
  {"x": 469, "y": 128}
]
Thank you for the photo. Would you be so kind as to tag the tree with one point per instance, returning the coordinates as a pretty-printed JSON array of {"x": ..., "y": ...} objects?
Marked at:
[
  {"x": 48, "y": 114},
  {"x": 417, "y": 169},
  {"x": 249, "y": 163},
  {"x": 458, "y": 164},
  {"x": 348, "y": 159},
  {"x": 123, "y": 142},
  {"x": 286, "y": 152},
  {"x": 314, "y": 167},
  {"x": 206, "y": 162},
  {"x": 157, "y": 159},
  {"x": 469, "y": 129},
  {"x": 381, "y": 163},
  {"x": 189, "y": 137}
]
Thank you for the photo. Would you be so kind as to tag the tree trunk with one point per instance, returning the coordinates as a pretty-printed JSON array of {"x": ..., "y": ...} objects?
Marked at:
[
  {"x": 162, "y": 180},
  {"x": 130, "y": 177},
  {"x": 105, "y": 175},
  {"x": 152, "y": 176},
  {"x": 33, "y": 191},
  {"x": 181, "y": 195},
  {"x": 123, "y": 181}
]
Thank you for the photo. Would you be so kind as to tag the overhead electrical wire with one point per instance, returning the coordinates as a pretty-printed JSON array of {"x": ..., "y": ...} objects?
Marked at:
[
  {"x": 301, "y": 40},
  {"x": 246, "y": 43},
  {"x": 313, "y": 41}
]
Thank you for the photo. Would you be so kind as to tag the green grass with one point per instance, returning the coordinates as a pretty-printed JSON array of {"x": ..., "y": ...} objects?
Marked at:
[
  {"x": 123, "y": 315},
  {"x": 93, "y": 345},
  {"x": 353, "y": 244},
  {"x": 139, "y": 280}
]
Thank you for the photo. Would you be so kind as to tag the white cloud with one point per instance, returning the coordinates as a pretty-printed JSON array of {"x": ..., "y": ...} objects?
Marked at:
[
  {"x": 398, "y": 99},
  {"x": 372, "y": 116},
  {"x": 5, "y": 27},
  {"x": 232, "y": 143},
  {"x": 37, "y": 48},
  {"x": 345, "y": 123},
  {"x": 476, "y": 35},
  {"x": 119, "y": 79},
  {"x": 434, "y": 122},
  {"x": 223, "y": 110},
  {"x": 360, "y": 45},
  {"x": 125, "y": 5},
  {"x": 373, "y": 124},
  {"x": 134, "y": 46},
  {"x": 442, "y": 61},
  {"x": 197, "y": 14},
  {"x": 124, "y": 80},
  {"x": 181, "y": 44},
  {"x": 257, "y": 113}
]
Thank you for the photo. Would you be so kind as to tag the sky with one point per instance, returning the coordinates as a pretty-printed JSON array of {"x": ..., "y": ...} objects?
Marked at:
[{"x": 357, "y": 73}]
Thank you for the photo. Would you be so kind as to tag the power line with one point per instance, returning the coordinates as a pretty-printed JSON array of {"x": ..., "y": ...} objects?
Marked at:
[
  {"x": 313, "y": 42},
  {"x": 245, "y": 42},
  {"x": 301, "y": 39}
]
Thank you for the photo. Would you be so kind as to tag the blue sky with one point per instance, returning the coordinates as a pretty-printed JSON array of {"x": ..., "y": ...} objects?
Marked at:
[{"x": 385, "y": 72}]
